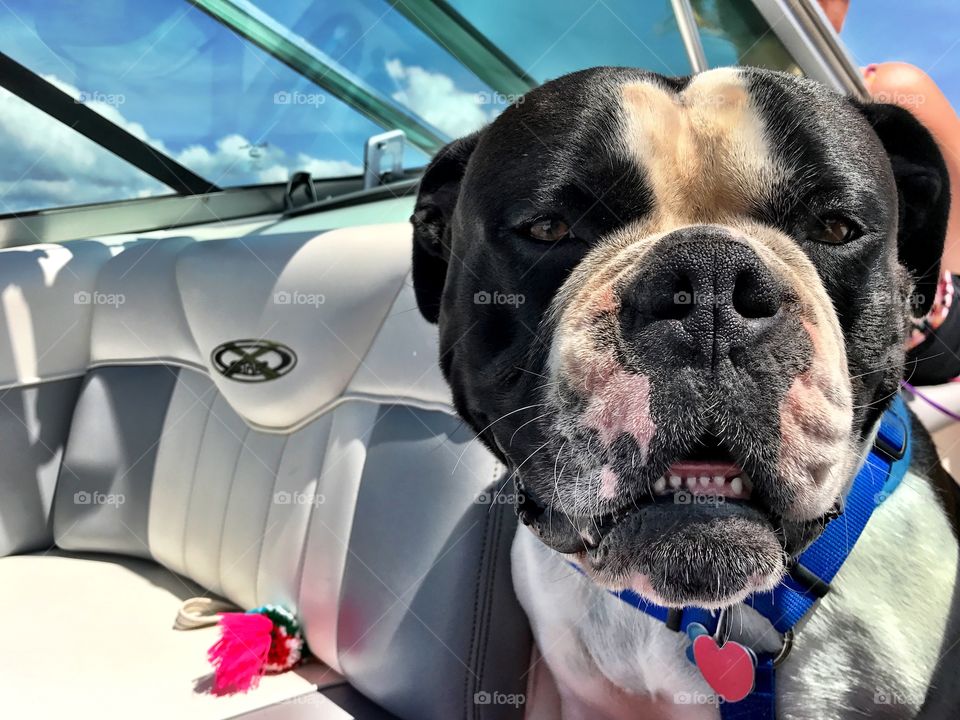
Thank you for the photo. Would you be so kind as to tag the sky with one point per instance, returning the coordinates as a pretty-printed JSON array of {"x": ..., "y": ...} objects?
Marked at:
[
  {"x": 174, "y": 77},
  {"x": 177, "y": 79},
  {"x": 925, "y": 33}
]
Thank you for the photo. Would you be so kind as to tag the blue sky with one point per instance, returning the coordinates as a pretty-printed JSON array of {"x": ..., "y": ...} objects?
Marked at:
[
  {"x": 176, "y": 78},
  {"x": 925, "y": 33},
  {"x": 179, "y": 80}
]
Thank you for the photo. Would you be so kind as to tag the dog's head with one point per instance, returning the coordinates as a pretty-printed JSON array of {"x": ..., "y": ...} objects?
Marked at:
[{"x": 676, "y": 308}]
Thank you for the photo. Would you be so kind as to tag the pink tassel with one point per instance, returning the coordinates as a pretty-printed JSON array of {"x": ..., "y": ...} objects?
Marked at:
[{"x": 241, "y": 653}]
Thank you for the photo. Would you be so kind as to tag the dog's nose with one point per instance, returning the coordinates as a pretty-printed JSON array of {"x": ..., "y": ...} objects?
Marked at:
[{"x": 701, "y": 295}]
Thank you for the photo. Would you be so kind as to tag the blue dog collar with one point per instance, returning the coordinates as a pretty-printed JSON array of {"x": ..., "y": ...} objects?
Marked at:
[{"x": 809, "y": 578}]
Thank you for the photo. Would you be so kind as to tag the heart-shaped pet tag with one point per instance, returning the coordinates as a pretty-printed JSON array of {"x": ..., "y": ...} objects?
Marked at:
[{"x": 729, "y": 670}]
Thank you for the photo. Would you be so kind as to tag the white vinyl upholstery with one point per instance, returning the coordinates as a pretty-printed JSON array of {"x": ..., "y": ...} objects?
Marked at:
[
  {"x": 396, "y": 364},
  {"x": 114, "y": 649},
  {"x": 46, "y": 310},
  {"x": 146, "y": 323},
  {"x": 49, "y": 295},
  {"x": 326, "y": 297},
  {"x": 345, "y": 489}
]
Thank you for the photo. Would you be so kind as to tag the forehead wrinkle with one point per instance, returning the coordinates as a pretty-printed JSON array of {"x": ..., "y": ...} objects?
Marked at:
[{"x": 704, "y": 148}]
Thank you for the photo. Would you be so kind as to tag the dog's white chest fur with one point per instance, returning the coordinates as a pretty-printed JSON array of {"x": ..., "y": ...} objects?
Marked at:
[
  {"x": 599, "y": 650},
  {"x": 870, "y": 646}
]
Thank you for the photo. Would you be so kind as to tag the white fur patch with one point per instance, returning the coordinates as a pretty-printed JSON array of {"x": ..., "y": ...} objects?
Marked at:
[{"x": 886, "y": 614}]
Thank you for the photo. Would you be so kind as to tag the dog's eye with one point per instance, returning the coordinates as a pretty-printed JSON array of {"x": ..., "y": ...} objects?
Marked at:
[
  {"x": 836, "y": 230},
  {"x": 549, "y": 230}
]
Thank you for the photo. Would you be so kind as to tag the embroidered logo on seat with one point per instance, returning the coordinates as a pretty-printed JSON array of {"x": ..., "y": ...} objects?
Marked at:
[{"x": 253, "y": 360}]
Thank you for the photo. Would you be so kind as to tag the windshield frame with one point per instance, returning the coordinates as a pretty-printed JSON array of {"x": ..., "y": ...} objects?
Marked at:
[{"x": 799, "y": 24}]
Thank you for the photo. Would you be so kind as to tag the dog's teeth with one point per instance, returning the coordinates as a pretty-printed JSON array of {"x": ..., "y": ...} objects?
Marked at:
[
  {"x": 704, "y": 481},
  {"x": 660, "y": 485},
  {"x": 736, "y": 486},
  {"x": 691, "y": 482},
  {"x": 719, "y": 480},
  {"x": 675, "y": 481}
]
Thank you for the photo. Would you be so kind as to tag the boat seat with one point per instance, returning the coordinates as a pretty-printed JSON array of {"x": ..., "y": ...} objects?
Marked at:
[{"x": 258, "y": 418}]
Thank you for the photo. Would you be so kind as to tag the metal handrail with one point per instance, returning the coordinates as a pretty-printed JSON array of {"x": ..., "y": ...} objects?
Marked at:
[
  {"x": 814, "y": 22},
  {"x": 690, "y": 34},
  {"x": 802, "y": 28}
]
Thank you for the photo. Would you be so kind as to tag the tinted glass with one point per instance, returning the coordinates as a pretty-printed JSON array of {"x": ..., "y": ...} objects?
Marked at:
[
  {"x": 548, "y": 38},
  {"x": 190, "y": 87},
  {"x": 372, "y": 40},
  {"x": 733, "y": 32},
  {"x": 45, "y": 164}
]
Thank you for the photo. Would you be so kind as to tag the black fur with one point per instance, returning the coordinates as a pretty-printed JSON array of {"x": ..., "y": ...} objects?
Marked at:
[
  {"x": 923, "y": 190},
  {"x": 557, "y": 154},
  {"x": 431, "y": 222}
]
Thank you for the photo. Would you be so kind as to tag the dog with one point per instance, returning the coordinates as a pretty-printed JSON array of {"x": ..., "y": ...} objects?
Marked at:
[{"x": 648, "y": 286}]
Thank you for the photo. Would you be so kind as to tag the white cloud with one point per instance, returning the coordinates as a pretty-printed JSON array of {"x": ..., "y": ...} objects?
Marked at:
[
  {"x": 326, "y": 168},
  {"x": 44, "y": 163},
  {"x": 436, "y": 98},
  {"x": 232, "y": 155}
]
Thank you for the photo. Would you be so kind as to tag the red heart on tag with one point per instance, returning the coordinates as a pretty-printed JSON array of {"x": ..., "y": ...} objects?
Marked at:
[{"x": 729, "y": 670}]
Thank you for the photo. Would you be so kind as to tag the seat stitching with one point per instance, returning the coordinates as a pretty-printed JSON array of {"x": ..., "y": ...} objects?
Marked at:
[
  {"x": 490, "y": 554},
  {"x": 226, "y": 510},
  {"x": 474, "y": 631},
  {"x": 193, "y": 484},
  {"x": 266, "y": 523}
]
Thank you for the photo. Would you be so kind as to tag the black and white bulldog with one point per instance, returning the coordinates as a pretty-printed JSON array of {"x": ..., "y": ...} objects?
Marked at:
[{"x": 648, "y": 286}]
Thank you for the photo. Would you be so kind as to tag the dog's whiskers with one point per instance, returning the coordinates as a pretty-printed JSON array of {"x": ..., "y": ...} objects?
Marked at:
[
  {"x": 556, "y": 484},
  {"x": 477, "y": 436},
  {"x": 516, "y": 472},
  {"x": 874, "y": 403},
  {"x": 530, "y": 372},
  {"x": 514, "y": 434}
]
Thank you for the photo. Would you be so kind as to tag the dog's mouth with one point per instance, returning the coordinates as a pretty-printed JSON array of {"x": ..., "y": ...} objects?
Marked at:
[
  {"x": 702, "y": 534},
  {"x": 709, "y": 470}
]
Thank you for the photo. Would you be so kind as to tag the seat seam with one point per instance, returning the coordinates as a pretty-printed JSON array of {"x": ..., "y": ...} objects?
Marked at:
[
  {"x": 266, "y": 524},
  {"x": 35, "y": 382},
  {"x": 474, "y": 631},
  {"x": 305, "y": 548},
  {"x": 226, "y": 510},
  {"x": 193, "y": 485},
  {"x": 342, "y": 398},
  {"x": 376, "y": 334},
  {"x": 160, "y": 451},
  {"x": 491, "y": 571},
  {"x": 62, "y": 461},
  {"x": 489, "y": 556}
]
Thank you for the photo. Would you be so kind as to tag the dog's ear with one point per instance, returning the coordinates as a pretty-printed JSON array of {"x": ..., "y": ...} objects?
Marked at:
[
  {"x": 439, "y": 191},
  {"x": 923, "y": 187}
]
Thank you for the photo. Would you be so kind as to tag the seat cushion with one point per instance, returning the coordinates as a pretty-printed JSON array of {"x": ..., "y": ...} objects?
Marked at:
[
  {"x": 378, "y": 524},
  {"x": 265, "y": 416},
  {"x": 92, "y": 636}
]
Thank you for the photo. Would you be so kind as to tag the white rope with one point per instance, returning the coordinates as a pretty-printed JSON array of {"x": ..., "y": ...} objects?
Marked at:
[{"x": 199, "y": 612}]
